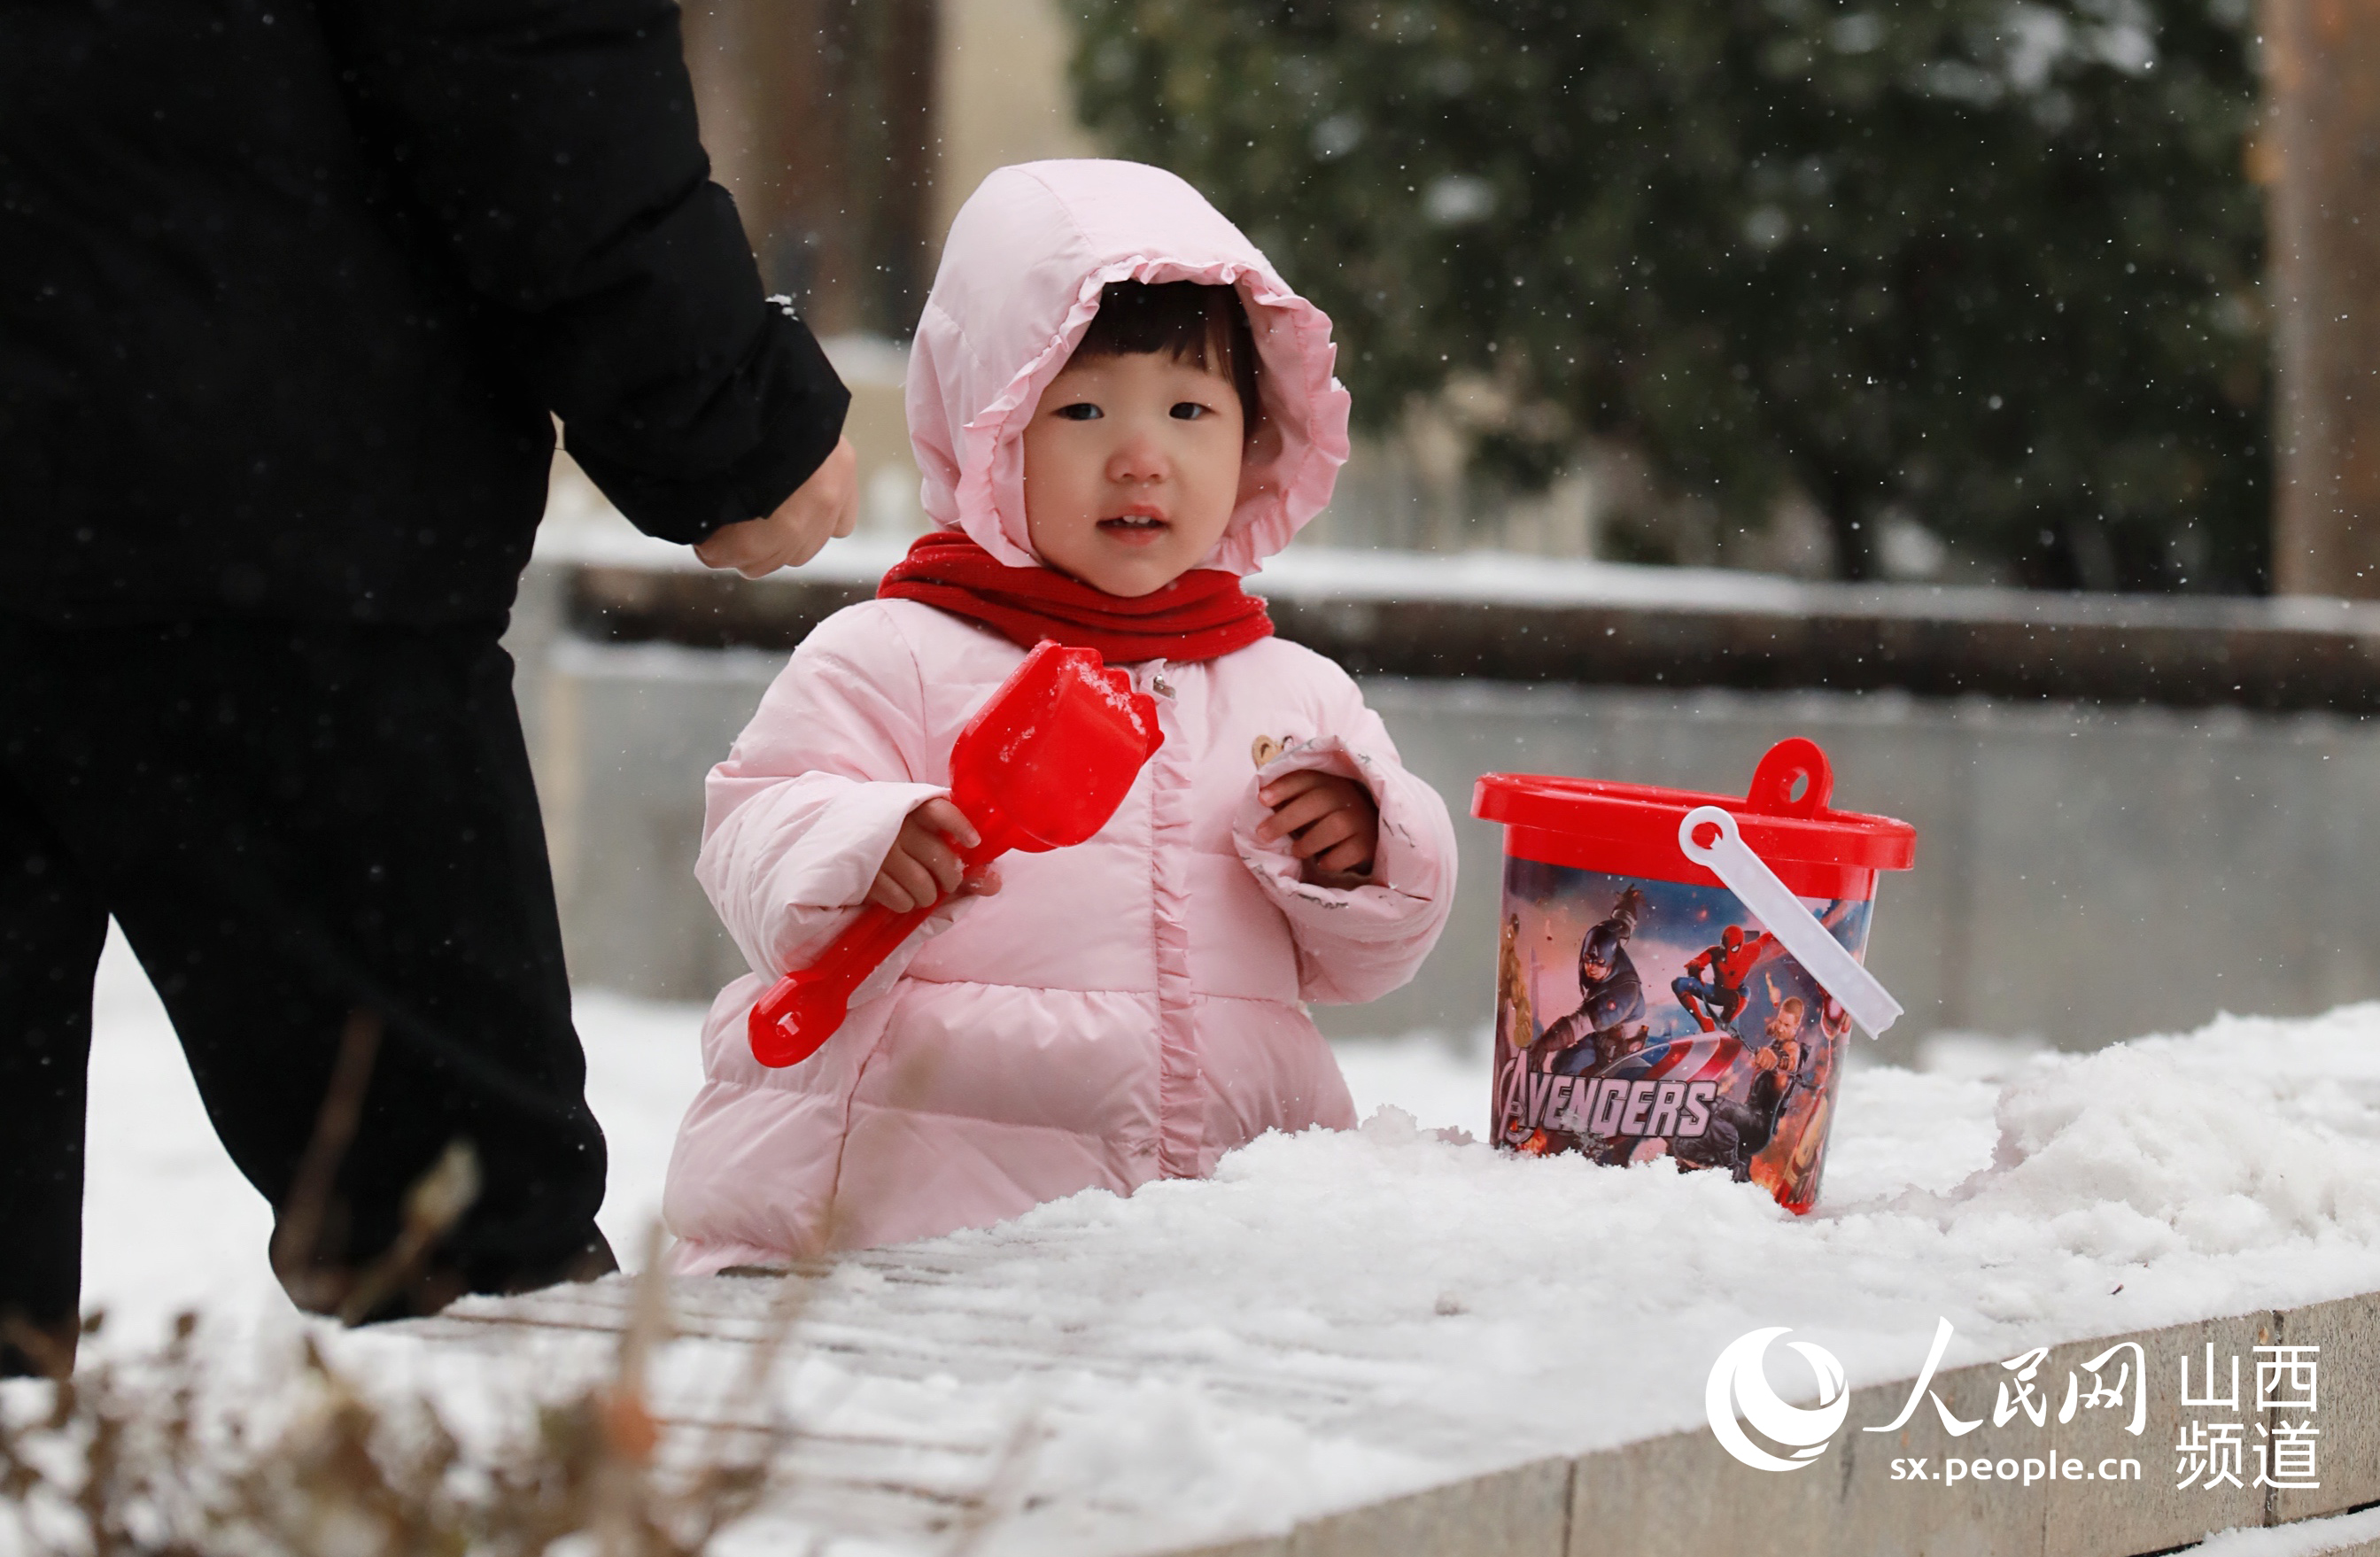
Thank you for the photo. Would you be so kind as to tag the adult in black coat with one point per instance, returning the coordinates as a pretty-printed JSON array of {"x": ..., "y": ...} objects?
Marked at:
[{"x": 291, "y": 293}]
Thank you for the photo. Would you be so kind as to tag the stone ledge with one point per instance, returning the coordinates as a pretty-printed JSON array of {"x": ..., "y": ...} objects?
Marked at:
[
  {"x": 1674, "y": 1496},
  {"x": 1681, "y": 1496},
  {"x": 1768, "y": 634}
]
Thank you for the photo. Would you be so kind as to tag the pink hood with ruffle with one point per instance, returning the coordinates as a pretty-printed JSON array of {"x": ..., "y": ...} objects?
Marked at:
[{"x": 1020, "y": 279}]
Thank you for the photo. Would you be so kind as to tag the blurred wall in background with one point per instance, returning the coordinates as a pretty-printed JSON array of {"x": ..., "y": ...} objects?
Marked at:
[{"x": 2084, "y": 874}]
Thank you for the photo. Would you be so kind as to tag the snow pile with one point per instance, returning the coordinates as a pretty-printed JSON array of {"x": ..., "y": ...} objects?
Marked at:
[
  {"x": 1335, "y": 1319},
  {"x": 1430, "y": 1309},
  {"x": 2148, "y": 1184},
  {"x": 1339, "y": 1318},
  {"x": 2231, "y": 1170},
  {"x": 2252, "y": 1137}
]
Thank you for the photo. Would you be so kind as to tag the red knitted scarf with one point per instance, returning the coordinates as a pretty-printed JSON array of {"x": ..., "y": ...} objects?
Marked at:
[{"x": 1203, "y": 615}]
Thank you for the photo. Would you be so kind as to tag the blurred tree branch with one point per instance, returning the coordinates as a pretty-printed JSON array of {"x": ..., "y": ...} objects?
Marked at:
[{"x": 1993, "y": 265}]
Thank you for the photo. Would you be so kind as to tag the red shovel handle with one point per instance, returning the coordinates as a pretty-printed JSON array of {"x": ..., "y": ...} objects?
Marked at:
[
  {"x": 805, "y": 1008},
  {"x": 1042, "y": 764},
  {"x": 802, "y": 1010}
]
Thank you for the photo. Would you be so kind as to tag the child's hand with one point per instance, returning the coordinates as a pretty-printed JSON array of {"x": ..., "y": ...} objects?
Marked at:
[
  {"x": 923, "y": 867},
  {"x": 1330, "y": 822}
]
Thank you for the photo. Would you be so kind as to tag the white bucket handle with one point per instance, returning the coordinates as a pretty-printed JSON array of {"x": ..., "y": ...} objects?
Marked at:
[{"x": 1814, "y": 946}]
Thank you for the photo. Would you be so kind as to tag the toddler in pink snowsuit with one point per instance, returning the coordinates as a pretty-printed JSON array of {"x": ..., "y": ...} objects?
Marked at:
[{"x": 1107, "y": 451}]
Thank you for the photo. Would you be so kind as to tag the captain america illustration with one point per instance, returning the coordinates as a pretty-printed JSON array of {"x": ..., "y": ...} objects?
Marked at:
[{"x": 1607, "y": 1027}]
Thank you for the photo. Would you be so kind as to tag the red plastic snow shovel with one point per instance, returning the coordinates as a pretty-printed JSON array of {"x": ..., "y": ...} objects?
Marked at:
[{"x": 1042, "y": 765}]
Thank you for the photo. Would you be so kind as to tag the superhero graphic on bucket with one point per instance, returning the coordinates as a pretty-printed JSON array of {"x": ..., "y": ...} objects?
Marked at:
[
  {"x": 1611, "y": 999},
  {"x": 1623, "y": 1082},
  {"x": 1725, "y": 966},
  {"x": 1736, "y": 1074}
]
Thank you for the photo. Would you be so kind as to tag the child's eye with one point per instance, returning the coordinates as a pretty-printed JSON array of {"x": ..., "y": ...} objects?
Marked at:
[
  {"x": 1081, "y": 411},
  {"x": 1190, "y": 410}
]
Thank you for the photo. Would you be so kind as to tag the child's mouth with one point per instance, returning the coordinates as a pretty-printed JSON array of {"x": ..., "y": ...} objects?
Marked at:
[{"x": 1134, "y": 530}]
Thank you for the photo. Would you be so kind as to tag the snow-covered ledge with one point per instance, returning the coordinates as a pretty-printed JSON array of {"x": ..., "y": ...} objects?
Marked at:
[
  {"x": 1385, "y": 1341},
  {"x": 1504, "y": 617},
  {"x": 1681, "y": 1495}
]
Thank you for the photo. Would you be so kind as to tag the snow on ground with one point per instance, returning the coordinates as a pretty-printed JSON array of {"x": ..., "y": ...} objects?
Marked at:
[
  {"x": 1422, "y": 1309},
  {"x": 2307, "y": 1538},
  {"x": 169, "y": 1223}
]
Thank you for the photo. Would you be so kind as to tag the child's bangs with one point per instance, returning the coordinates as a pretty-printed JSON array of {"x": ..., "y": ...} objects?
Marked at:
[{"x": 1188, "y": 320}]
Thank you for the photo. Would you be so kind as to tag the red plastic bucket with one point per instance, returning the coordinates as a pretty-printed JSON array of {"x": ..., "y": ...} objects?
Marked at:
[{"x": 1640, "y": 1008}]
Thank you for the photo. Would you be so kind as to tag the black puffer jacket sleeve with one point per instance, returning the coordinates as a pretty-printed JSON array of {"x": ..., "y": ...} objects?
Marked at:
[{"x": 550, "y": 145}]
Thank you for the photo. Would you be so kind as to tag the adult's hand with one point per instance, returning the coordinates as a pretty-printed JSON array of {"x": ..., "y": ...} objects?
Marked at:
[{"x": 825, "y": 507}]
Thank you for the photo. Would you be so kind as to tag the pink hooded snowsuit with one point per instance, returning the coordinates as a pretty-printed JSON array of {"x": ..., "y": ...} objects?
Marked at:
[{"x": 1126, "y": 1010}]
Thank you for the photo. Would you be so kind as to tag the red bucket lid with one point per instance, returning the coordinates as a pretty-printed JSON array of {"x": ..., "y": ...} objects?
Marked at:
[{"x": 1632, "y": 829}]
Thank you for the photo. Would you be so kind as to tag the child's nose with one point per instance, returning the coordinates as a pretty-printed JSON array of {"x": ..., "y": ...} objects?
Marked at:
[{"x": 1138, "y": 458}]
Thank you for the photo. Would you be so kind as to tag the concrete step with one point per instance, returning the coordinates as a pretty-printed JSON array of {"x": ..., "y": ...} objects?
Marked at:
[{"x": 2113, "y": 1492}]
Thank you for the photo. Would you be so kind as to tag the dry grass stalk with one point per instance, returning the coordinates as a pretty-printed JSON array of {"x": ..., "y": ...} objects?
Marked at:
[
  {"x": 297, "y": 1239},
  {"x": 156, "y": 1457},
  {"x": 152, "y": 1456}
]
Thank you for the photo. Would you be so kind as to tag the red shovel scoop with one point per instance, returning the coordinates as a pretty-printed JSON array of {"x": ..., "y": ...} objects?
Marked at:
[{"x": 1042, "y": 765}]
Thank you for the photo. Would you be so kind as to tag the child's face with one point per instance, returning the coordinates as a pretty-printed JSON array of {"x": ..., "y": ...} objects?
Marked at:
[{"x": 1132, "y": 470}]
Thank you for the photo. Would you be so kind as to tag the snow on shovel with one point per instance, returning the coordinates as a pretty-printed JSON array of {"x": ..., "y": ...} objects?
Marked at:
[{"x": 1042, "y": 765}]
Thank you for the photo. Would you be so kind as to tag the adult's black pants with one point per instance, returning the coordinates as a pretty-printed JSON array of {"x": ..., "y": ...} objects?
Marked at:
[{"x": 323, "y": 844}]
